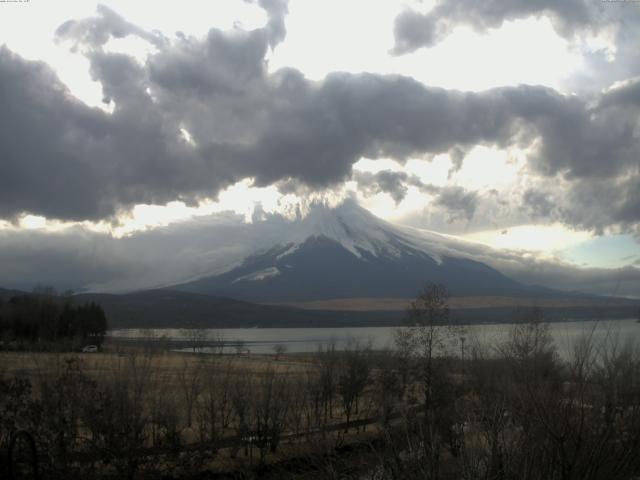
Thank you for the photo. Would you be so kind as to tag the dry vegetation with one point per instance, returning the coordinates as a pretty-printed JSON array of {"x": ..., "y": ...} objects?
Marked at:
[
  {"x": 400, "y": 304},
  {"x": 511, "y": 412}
]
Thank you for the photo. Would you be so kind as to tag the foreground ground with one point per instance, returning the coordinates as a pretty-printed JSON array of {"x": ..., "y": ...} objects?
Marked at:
[{"x": 517, "y": 412}]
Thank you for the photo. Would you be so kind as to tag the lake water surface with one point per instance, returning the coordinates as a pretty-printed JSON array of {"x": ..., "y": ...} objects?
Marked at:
[{"x": 304, "y": 340}]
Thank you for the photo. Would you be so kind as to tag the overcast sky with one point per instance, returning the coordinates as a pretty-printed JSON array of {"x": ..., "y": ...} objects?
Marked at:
[{"x": 131, "y": 129}]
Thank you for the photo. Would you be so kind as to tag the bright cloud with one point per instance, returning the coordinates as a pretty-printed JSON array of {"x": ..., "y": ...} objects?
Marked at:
[
  {"x": 545, "y": 239},
  {"x": 514, "y": 127}
]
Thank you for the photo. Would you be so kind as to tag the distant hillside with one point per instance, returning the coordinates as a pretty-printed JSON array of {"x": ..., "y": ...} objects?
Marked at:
[
  {"x": 466, "y": 303},
  {"x": 6, "y": 294},
  {"x": 174, "y": 309}
]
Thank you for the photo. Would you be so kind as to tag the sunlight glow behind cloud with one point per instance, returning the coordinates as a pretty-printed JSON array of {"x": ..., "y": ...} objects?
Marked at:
[
  {"x": 542, "y": 239},
  {"x": 325, "y": 37},
  {"x": 503, "y": 56}
]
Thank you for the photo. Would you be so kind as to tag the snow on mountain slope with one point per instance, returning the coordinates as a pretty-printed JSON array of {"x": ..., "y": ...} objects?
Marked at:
[
  {"x": 359, "y": 231},
  {"x": 259, "y": 275},
  {"x": 348, "y": 252}
]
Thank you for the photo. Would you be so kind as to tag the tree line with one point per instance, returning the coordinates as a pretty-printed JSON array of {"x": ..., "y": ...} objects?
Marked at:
[{"x": 47, "y": 318}]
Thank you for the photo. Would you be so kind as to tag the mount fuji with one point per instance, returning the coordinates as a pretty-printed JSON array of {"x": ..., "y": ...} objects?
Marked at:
[{"x": 347, "y": 252}]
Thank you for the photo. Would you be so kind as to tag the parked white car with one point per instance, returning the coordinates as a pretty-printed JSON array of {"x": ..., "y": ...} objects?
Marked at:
[{"x": 90, "y": 349}]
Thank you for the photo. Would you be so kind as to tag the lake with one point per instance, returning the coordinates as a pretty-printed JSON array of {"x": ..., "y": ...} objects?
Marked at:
[{"x": 304, "y": 340}]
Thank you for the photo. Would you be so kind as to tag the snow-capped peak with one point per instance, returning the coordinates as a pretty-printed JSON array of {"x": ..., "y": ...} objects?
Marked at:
[
  {"x": 356, "y": 229},
  {"x": 348, "y": 252}
]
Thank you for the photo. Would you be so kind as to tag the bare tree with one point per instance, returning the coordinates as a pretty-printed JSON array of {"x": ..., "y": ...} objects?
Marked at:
[
  {"x": 426, "y": 336},
  {"x": 353, "y": 377},
  {"x": 240, "y": 346},
  {"x": 190, "y": 382},
  {"x": 299, "y": 404},
  {"x": 279, "y": 349},
  {"x": 218, "y": 342},
  {"x": 197, "y": 336},
  {"x": 328, "y": 360},
  {"x": 214, "y": 409},
  {"x": 271, "y": 406},
  {"x": 427, "y": 333},
  {"x": 241, "y": 401},
  {"x": 387, "y": 385}
]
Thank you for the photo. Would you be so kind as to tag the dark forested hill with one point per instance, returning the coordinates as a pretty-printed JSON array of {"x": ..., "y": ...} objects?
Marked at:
[{"x": 168, "y": 308}]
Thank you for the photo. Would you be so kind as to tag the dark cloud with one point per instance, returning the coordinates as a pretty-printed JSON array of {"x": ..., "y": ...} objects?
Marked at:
[
  {"x": 386, "y": 181},
  {"x": 539, "y": 204},
  {"x": 459, "y": 202},
  {"x": 457, "y": 158},
  {"x": 598, "y": 204},
  {"x": 395, "y": 183},
  {"x": 277, "y": 11},
  {"x": 414, "y": 30},
  {"x": 580, "y": 140},
  {"x": 491, "y": 211},
  {"x": 64, "y": 160},
  {"x": 314, "y": 132}
]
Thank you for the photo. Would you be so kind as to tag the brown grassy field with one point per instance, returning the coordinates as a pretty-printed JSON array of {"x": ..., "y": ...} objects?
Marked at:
[
  {"x": 400, "y": 304},
  {"x": 168, "y": 364},
  {"x": 188, "y": 388},
  {"x": 141, "y": 412}
]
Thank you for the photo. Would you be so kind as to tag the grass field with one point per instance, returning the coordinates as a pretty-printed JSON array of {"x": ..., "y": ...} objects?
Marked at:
[
  {"x": 133, "y": 411},
  {"x": 400, "y": 304}
]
